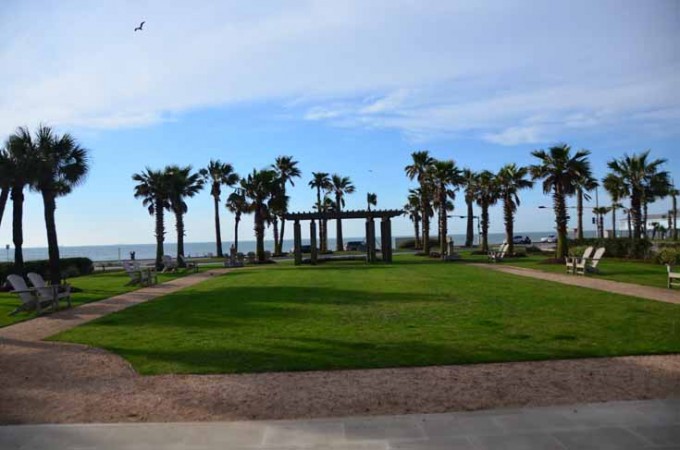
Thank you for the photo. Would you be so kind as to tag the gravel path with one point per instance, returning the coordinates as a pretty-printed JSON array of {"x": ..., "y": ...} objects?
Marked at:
[
  {"x": 616, "y": 287},
  {"x": 54, "y": 382}
]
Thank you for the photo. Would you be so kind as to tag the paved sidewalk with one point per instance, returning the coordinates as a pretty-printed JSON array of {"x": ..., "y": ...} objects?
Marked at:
[
  {"x": 51, "y": 324},
  {"x": 591, "y": 282},
  {"x": 653, "y": 424}
]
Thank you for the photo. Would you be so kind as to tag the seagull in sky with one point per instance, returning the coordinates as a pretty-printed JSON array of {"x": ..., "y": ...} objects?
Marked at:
[{"x": 141, "y": 26}]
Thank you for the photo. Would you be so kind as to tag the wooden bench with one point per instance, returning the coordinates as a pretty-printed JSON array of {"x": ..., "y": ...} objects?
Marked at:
[{"x": 673, "y": 277}]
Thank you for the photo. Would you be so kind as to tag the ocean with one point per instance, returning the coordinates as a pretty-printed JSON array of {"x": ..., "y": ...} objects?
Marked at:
[{"x": 148, "y": 251}]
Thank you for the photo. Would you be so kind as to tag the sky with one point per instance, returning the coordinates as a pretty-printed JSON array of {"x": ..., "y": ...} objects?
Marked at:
[{"x": 351, "y": 87}]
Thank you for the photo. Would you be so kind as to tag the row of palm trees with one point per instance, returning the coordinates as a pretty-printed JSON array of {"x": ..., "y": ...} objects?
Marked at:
[
  {"x": 563, "y": 174},
  {"x": 44, "y": 162}
]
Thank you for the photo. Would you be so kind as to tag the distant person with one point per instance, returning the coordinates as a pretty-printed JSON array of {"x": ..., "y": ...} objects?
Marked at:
[{"x": 132, "y": 255}]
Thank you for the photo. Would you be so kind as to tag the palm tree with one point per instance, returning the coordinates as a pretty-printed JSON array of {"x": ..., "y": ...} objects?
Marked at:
[
  {"x": 218, "y": 174},
  {"x": 412, "y": 209},
  {"x": 486, "y": 195},
  {"x": 511, "y": 180},
  {"x": 636, "y": 172},
  {"x": 600, "y": 212},
  {"x": 419, "y": 170},
  {"x": 237, "y": 203},
  {"x": 258, "y": 187},
  {"x": 560, "y": 172},
  {"x": 674, "y": 195},
  {"x": 182, "y": 183},
  {"x": 617, "y": 191},
  {"x": 152, "y": 188},
  {"x": 61, "y": 165},
  {"x": 444, "y": 174},
  {"x": 340, "y": 187},
  {"x": 20, "y": 165},
  {"x": 469, "y": 183},
  {"x": 657, "y": 187},
  {"x": 321, "y": 182},
  {"x": 584, "y": 185},
  {"x": 278, "y": 205},
  {"x": 286, "y": 169},
  {"x": 371, "y": 200},
  {"x": 5, "y": 177}
]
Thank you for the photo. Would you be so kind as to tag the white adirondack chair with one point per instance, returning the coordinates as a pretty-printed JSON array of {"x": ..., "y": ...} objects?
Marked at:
[
  {"x": 673, "y": 277},
  {"x": 169, "y": 264},
  {"x": 573, "y": 261},
  {"x": 590, "y": 265},
  {"x": 30, "y": 298},
  {"x": 496, "y": 256},
  {"x": 140, "y": 275},
  {"x": 59, "y": 292}
]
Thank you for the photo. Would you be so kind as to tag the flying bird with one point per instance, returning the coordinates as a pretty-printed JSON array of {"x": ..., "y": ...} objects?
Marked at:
[{"x": 140, "y": 27}]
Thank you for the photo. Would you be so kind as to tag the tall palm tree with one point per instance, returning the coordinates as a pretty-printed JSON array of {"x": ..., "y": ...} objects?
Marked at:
[
  {"x": 511, "y": 180},
  {"x": 469, "y": 185},
  {"x": 371, "y": 200},
  {"x": 486, "y": 195},
  {"x": 258, "y": 187},
  {"x": 419, "y": 170},
  {"x": 587, "y": 183},
  {"x": 600, "y": 212},
  {"x": 321, "y": 182},
  {"x": 617, "y": 191},
  {"x": 61, "y": 165},
  {"x": 218, "y": 174},
  {"x": 152, "y": 188},
  {"x": 21, "y": 159},
  {"x": 674, "y": 195},
  {"x": 636, "y": 172},
  {"x": 237, "y": 203},
  {"x": 560, "y": 172},
  {"x": 5, "y": 178},
  {"x": 412, "y": 209},
  {"x": 278, "y": 205},
  {"x": 657, "y": 187},
  {"x": 445, "y": 176},
  {"x": 340, "y": 186},
  {"x": 182, "y": 184},
  {"x": 286, "y": 170}
]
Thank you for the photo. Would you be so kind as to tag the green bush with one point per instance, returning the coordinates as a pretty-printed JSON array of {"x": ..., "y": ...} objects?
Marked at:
[
  {"x": 70, "y": 267},
  {"x": 411, "y": 244},
  {"x": 668, "y": 255},
  {"x": 617, "y": 248}
]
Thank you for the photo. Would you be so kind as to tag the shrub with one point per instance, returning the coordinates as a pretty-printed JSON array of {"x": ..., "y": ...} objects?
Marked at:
[
  {"x": 669, "y": 255},
  {"x": 411, "y": 244},
  {"x": 70, "y": 267},
  {"x": 618, "y": 248}
]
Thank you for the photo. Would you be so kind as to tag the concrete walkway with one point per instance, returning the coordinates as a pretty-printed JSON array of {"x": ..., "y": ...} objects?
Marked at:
[
  {"x": 51, "y": 324},
  {"x": 653, "y": 424},
  {"x": 591, "y": 282}
]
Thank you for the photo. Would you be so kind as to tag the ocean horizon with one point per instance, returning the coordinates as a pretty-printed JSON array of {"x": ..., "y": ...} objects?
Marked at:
[{"x": 117, "y": 252}]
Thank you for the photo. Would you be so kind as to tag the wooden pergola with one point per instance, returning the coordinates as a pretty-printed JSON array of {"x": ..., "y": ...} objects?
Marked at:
[{"x": 385, "y": 230}]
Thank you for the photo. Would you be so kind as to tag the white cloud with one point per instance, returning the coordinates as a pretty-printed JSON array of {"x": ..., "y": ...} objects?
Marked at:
[{"x": 508, "y": 72}]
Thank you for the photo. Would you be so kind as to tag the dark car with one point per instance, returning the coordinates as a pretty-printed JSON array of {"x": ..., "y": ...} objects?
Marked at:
[
  {"x": 355, "y": 246},
  {"x": 521, "y": 240}
]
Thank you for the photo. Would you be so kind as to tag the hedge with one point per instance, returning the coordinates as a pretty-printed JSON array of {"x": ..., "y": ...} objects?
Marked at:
[
  {"x": 70, "y": 267},
  {"x": 411, "y": 243},
  {"x": 618, "y": 248}
]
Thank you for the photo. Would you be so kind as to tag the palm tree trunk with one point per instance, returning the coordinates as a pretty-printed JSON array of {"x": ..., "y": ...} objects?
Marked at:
[
  {"x": 4, "y": 195},
  {"x": 485, "y": 227},
  {"x": 675, "y": 218},
  {"x": 50, "y": 206},
  {"x": 614, "y": 221},
  {"x": 160, "y": 233},
  {"x": 218, "y": 233},
  {"x": 236, "y": 221},
  {"x": 275, "y": 226},
  {"x": 561, "y": 223},
  {"x": 636, "y": 210},
  {"x": 259, "y": 233},
  {"x": 179, "y": 224},
  {"x": 283, "y": 226},
  {"x": 509, "y": 224},
  {"x": 630, "y": 226},
  {"x": 418, "y": 243},
  {"x": 644, "y": 217},
  {"x": 17, "y": 227},
  {"x": 442, "y": 225},
  {"x": 426, "y": 222},
  {"x": 470, "y": 232},
  {"x": 339, "y": 245},
  {"x": 579, "y": 213}
]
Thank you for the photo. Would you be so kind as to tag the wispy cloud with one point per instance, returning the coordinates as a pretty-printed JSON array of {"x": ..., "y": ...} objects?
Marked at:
[{"x": 505, "y": 72}]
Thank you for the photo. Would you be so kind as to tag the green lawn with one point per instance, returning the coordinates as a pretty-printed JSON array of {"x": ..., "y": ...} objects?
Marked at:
[
  {"x": 349, "y": 315},
  {"x": 627, "y": 271},
  {"x": 92, "y": 288}
]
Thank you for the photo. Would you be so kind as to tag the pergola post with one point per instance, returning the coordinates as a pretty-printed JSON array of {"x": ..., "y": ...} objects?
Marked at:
[
  {"x": 297, "y": 242},
  {"x": 370, "y": 240},
  {"x": 312, "y": 241},
  {"x": 386, "y": 239}
]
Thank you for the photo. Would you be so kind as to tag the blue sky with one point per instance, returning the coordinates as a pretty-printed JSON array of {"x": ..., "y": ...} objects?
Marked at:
[{"x": 344, "y": 87}]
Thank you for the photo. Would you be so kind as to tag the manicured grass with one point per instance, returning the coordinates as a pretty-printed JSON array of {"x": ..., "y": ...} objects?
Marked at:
[
  {"x": 616, "y": 269},
  {"x": 90, "y": 288},
  {"x": 351, "y": 315}
]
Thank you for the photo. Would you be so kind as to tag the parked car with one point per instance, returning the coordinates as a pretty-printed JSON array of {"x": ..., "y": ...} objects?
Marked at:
[
  {"x": 355, "y": 246},
  {"x": 521, "y": 240},
  {"x": 551, "y": 239}
]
